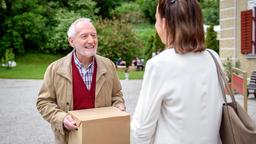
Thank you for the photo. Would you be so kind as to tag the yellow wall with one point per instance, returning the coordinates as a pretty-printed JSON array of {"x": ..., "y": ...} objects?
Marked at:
[{"x": 230, "y": 13}]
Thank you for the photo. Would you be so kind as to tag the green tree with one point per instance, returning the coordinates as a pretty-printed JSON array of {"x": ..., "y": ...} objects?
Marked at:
[
  {"x": 8, "y": 57},
  {"x": 63, "y": 17},
  {"x": 158, "y": 44},
  {"x": 105, "y": 7},
  {"x": 211, "y": 39},
  {"x": 149, "y": 48},
  {"x": 154, "y": 45},
  {"x": 117, "y": 40},
  {"x": 130, "y": 12},
  {"x": 23, "y": 24},
  {"x": 57, "y": 38},
  {"x": 149, "y": 8},
  {"x": 210, "y": 10}
]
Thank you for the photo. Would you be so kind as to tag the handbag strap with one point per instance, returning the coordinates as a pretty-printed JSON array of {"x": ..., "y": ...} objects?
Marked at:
[{"x": 221, "y": 78}]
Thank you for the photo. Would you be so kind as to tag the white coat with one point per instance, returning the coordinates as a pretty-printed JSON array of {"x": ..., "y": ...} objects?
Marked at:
[{"x": 180, "y": 101}]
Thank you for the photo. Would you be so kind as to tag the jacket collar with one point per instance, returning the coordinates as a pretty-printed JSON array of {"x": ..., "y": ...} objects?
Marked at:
[{"x": 65, "y": 69}]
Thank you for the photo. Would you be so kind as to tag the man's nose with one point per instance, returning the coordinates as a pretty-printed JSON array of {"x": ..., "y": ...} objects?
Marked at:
[{"x": 90, "y": 39}]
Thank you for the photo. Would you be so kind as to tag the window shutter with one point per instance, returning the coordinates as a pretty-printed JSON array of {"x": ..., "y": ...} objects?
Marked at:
[{"x": 246, "y": 31}]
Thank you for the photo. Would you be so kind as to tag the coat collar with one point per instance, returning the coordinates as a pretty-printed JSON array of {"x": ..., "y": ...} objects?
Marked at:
[{"x": 65, "y": 69}]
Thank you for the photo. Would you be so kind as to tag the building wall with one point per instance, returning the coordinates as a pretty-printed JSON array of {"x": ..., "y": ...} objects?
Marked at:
[{"x": 230, "y": 34}]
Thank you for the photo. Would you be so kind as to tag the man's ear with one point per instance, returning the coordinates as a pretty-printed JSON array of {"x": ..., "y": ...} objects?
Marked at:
[{"x": 71, "y": 42}]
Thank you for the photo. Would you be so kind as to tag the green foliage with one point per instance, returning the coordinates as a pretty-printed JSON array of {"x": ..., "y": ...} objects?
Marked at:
[
  {"x": 149, "y": 48},
  {"x": 40, "y": 25},
  {"x": 57, "y": 35},
  {"x": 116, "y": 40},
  {"x": 158, "y": 44},
  {"x": 211, "y": 39},
  {"x": 8, "y": 56},
  {"x": 155, "y": 45},
  {"x": 149, "y": 8},
  {"x": 84, "y": 8},
  {"x": 210, "y": 10},
  {"x": 228, "y": 64},
  {"x": 105, "y": 7},
  {"x": 129, "y": 12},
  {"x": 23, "y": 25},
  {"x": 57, "y": 38}
]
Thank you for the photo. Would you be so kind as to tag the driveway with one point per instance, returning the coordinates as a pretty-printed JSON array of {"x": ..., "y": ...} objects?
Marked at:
[{"x": 21, "y": 123}]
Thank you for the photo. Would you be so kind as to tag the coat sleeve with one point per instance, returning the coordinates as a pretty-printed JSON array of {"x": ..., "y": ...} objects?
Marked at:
[
  {"x": 148, "y": 107},
  {"x": 117, "y": 95},
  {"x": 46, "y": 102}
]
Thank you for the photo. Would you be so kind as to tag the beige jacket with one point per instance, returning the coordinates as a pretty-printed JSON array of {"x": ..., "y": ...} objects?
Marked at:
[{"x": 55, "y": 97}]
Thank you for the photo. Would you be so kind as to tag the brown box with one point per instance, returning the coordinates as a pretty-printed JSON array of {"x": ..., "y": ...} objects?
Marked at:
[{"x": 106, "y": 125}]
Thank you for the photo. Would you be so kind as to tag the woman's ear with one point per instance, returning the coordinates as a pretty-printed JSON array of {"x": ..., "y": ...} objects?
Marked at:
[{"x": 163, "y": 23}]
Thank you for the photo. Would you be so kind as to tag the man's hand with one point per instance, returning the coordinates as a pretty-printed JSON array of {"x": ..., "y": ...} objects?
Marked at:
[
  {"x": 121, "y": 107},
  {"x": 69, "y": 123}
]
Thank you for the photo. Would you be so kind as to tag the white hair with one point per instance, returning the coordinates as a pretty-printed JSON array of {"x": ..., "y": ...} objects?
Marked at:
[{"x": 71, "y": 30}]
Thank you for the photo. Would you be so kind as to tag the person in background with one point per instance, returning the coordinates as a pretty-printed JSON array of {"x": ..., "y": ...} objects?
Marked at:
[
  {"x": 80, "y": 80},
  {"x": 180, "y": 100}
]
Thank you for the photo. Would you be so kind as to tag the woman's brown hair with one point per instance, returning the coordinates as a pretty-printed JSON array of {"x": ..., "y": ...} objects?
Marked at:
[{"x": 184, "y": 24}]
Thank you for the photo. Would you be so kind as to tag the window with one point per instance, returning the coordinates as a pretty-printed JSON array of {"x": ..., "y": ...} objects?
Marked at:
[{"x": 248, "y": 30}]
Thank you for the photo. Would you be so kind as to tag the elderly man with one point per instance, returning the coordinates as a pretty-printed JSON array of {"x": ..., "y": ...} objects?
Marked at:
[{"x": 80, "y": 80}]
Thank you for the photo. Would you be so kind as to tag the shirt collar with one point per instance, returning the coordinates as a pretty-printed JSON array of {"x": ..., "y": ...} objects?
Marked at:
[{"x": 79, "y": 64}]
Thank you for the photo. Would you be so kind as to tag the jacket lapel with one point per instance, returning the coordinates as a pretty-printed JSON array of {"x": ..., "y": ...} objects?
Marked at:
[
  {"x": 66, "y": 72},
  {"x": 100, "y": 75}
]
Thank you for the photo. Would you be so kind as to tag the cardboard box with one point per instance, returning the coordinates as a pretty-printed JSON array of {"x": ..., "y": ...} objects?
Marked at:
[{"x": 106, "y": 125}]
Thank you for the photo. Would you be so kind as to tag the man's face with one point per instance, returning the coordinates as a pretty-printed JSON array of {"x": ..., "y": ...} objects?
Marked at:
[{"x": 85, "y": 41}]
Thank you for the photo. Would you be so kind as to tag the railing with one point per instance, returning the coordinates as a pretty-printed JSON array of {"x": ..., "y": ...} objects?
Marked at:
[{"x": 239, "y": 84}]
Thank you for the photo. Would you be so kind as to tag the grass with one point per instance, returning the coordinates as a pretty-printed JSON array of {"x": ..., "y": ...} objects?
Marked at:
[
  {"x": 132, "y": 75},
  {"x": 33, "y": 66},
  {"x": 29, "y": 66}
]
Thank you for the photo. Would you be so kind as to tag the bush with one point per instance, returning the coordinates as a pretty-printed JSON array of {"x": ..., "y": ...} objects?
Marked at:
[
  {"x": 130, "y": 12},
  {"x": 8, "y": 58},
  {"x": 228, "y": 67},
  {"x": 116, "y": 40},
  {"x": 23, "y": 26},
  {"x": 57, "y": 35},
  {"x": 154, "y": 45},
  {"x": 211, "y": 39},
  {"x": 149, "y": 8}
]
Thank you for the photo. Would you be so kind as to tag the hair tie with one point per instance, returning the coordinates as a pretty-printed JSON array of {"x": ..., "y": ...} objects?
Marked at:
[{"x": 172, "y": 1}]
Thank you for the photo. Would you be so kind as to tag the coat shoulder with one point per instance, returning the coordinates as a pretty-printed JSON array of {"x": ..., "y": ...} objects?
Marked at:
[
  {"x": 59, "y": 63},
  {"x": 104, "y": 60}
]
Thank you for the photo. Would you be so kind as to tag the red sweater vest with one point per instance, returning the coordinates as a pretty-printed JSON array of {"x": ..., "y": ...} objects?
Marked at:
[{"x": 82, "y": 97}]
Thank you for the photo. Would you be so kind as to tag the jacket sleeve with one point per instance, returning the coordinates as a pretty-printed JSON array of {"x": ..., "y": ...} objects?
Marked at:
[
  {"x": 148, "y": 107},
  {"x": 117, "y": 95},
  {"x": 47, "y": 104}
]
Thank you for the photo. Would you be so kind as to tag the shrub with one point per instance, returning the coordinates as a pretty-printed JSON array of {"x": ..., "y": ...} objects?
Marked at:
[
  {"x": 154, "y": 45},
  {"x": 211, "y": 39},
  {"x": 228, "y": 67},
  {"x": 117, "y": 40},
  {"x": 131, "y": 12}
]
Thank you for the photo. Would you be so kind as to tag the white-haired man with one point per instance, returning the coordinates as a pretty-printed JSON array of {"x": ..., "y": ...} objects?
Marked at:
[{"x": 80, "y": 80}]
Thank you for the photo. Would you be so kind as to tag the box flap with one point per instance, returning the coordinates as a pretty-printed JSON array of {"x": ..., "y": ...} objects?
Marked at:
[{"x": 96, "y": 113}]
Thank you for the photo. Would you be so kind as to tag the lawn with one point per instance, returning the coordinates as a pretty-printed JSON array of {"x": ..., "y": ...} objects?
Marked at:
[
  {"x": 33, "y": 66},
  {"x": 132, "y": 75},
  {"x": 29, "y": 66}
]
